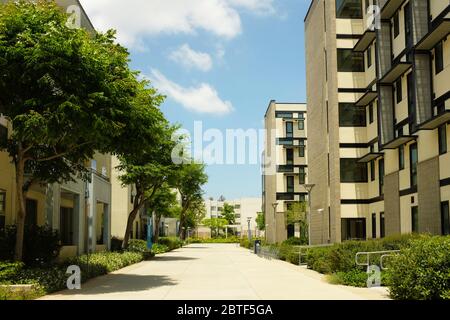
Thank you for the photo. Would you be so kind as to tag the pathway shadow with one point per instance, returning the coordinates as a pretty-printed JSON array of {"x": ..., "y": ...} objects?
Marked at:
[
  {"x": 172, "y": 258},
  {"x": 120, "y": 283}
]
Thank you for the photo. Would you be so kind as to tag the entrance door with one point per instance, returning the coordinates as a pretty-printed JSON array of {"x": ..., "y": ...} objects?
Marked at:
[{"x": 66, "y": 226}]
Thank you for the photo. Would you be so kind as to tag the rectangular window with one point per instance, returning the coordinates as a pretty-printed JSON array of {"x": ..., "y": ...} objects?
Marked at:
[
  {"x": 350, "y": 61},
  {"x": 66, "y": 226},
  {"x": 439, "y": 57},
  {"x": 290, "y": 184},
  {"x": 301, "y": 124},
  {"x": 442, "y": 139},
  {"x": 401, "y": 157},
  {"x": 3, "y": 135},
  {"x": 352, "y": 171},
  {"x": 382, "y": 226},
  {"x": 289, "y": 129},
  {"x": 396, "y": 25},
  {"x": 445, "y": 219},
  {"x": 302, "y": 176},
  {"x": 371, "y": 113},
  {"x": 353, "y": 229},
  {"x": 413, "y": 156},
  {"x": 301, "y": 149},
  {"x": 284, "y": 115},
  {"x": 369, "y": 57},
  {"x": 415, "y": 219},
  {"x": 372, "y": 170},
  {"x": 289, "y": 156},
  {"x": 398, "y": 90},
  {"x": 349, "y": 9},
  {"x": 2, "y": 209},
  {"x": 381, "y": 175},
  {"x": 351, "y": 115},
  {"x": 374, "y": 226}
]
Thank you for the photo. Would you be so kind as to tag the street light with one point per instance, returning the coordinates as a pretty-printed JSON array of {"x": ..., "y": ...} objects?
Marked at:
[
  {"x": 249, "y": 230},
  {"x": 274, "y": 205},
  {"x": 309, "y": 188}
]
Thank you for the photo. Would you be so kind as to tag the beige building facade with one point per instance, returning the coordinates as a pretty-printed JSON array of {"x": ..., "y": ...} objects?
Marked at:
[
  {"x": 285, "y": 167},
  {"x": 378, "y": 114}
]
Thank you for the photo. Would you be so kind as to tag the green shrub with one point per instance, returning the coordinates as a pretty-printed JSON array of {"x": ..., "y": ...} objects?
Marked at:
[
  {"x": 159, "y": 248},
  {"x": 250, "y": 244},
  {"x": 41, "y": 245},
  {"x": 171, "y": 242},
  {"x": 116, "y": 244},
  {"x": 9, "y": 270},
  {"x": 232, "y": 239},
  {"x": 295, "y": 242},
  {"x": 137, "y": 246},
  {"x": 354, "y": 278},
  {"x": 422, "y": 271}
]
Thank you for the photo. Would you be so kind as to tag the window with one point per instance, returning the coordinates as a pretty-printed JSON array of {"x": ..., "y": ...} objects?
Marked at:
[
  {"x": 382, "y": 225},
  {"x": 290, "y": 184},
  {"x": 396, "y": 25},
  {"x": 213, "y": 208},
  {"x": 349, "y": 9},
  {"x": 372, "y": 170},
  {"x": 289, "y": 129},
  {"x": 374, "y": 226},
  {"x": 285, "y": 115},
  {"x": 352, "y": 171},
  {"x": 238, "y": 206},
  {"x": 3, "y": 135},
  {"x": 301, "y": 124},
  {"x": 369, "y": 57},
  {"x": 351, "y": 115},
  {"x": 66, "y": 226},
  {"x": 289, "y": 156},
  {"x": 381, "y": 175},
  {"x": 439, "y": 57},
  {"x": 445, "y": 219},
  {"x": 301, "y": 149},
  {"x": 413, "y": 162},
  {"x": 350, "y": 61},
  {"x": 415, "y": 219},
  {"x": 302, "y": 176},
  {"x": 398, "y": 90},
  {"x": 442, "y": 139},
  {"x": 371, "y": 113},
  {"x": 401, "y": 157},
  {"x": 2, "y": 210},
  {"x": 353, "y": 229}
]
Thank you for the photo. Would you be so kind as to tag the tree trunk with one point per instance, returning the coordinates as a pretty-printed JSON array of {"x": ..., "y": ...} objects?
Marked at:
[
  {"x": 21, "y": 199},
  {"x": 138, "y": 204},
  {"x": 156, "y": 235}
]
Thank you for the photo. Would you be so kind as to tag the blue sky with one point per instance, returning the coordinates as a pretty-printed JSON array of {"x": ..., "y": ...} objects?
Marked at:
[{"x": 218, "y": 61}]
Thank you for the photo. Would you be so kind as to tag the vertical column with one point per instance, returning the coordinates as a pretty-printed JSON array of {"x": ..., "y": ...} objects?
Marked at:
[
  {"x": 91, "y": 217},
  {"x": 107, "y": 226}
]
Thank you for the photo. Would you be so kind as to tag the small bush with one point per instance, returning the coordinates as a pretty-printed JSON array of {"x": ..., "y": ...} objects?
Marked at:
[
  {"x": 137, "y": 246},
  {"x": 354, "y": 278},
  {"x": 295, "y": 242},
  {"x": 233, "y": 239},
  {"x": 9, "y": 270},
  {"x": 422, "y": 271},
  {"x": 171, "y": 242},
  {"x": 159, "y": 248}
]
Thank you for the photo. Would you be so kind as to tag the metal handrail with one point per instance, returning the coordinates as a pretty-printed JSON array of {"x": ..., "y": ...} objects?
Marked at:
[{"x": 384, "y": 254}]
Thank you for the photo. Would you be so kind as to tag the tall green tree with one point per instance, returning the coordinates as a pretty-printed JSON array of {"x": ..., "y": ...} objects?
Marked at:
[
  {"x": 63, "y": 90},
  {"x": 261, "y": 221},
  {"x": 145, "y": 151},
  {"x": 215, "y": 224},
  {"x": 195, "y": 215},
  {"x": 189, "y": 181},
  {"x": 229, "y": 214},
  {"x": 163, "y": 204},
  {"x": 296, "y": 214}
]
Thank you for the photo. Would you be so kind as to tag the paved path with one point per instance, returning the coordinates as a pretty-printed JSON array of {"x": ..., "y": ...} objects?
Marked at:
[{"x": 215, "y": 272}]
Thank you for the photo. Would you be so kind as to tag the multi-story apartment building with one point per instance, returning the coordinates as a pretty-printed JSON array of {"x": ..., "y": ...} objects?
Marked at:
[
  {"x": 285, "y": 168},
  {"x": 80, "y": 210},
  {"x": 244, "y": 209},
  {"x": 377, "y": 89}
]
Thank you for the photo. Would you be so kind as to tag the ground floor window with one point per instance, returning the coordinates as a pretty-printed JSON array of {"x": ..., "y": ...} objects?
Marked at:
[
  {"x": 353, "y": 229},
  {"x": 66, "y": 226},
  {"x": 382, "y": 225},
  {"x": 415, "y": 219},
  {"x": 2, "y": 209},
  {"x": 445, "y": 218},
  {"x": 290, "y": 231},
  {"x": 374, "y": 226}
]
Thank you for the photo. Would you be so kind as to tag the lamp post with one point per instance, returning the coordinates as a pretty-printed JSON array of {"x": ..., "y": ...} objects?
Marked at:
[
  {"x": 274, "y": 205},
  {"x": 309, "y": 188},
  {"x": 249, "y": 230}
]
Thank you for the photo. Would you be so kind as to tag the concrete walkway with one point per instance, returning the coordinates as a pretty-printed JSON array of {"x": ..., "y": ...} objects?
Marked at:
[{"x": 214, "y": 272}]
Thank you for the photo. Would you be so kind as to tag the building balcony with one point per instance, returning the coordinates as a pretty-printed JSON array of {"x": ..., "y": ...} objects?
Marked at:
[
  {"x": 366, "y": 98},
  {"x": 397, "y": 142},
  {"x": 390, "y": 7},
  {"x": 439, "y": 32},
  {"x": 436, "y": 121},
  {"x": 367, "y": 38},
  {"x": 285, "y": 169},
  {"x": 395, "y": 72},
  {"x": 371, "y": 156},
  {"x": 291, "y": 196}
]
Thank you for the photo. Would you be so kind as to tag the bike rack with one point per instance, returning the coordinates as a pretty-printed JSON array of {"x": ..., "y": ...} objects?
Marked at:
[{"x": 384, "y": 254}]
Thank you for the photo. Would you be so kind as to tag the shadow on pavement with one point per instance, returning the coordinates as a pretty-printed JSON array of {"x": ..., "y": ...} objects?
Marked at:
[
  {"x": 171, "y": 258},
  {"x": 120, "y": 283}
]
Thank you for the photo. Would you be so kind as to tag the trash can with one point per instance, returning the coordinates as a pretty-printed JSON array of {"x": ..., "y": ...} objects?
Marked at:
[{"x": 257, "y": 246}]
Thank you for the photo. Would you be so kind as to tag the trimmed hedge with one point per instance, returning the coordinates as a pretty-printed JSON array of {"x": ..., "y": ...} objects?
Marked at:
[
  {"x": 421, "y": 271},
  {"x": 216, "y": 240}
]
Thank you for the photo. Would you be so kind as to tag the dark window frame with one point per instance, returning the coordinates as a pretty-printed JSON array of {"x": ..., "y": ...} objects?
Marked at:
[
  {"x": 290, "y": 187},
  {"x": 302, "y": 175},
  {"x": 358, "y": 116},
  {"x": 445, "y": 218},
  {"x": 396, "y": 25},
  {"x": 413, "y": 148},
  {"x": 439, "y": 57},
  {"x": 301, "y": 124},
  {"x": 415, "y": 219},
  {"x": 381, "y": 172},
  {"x": 442, "y": 137},
  {"x": 66, "y": 226},
  {"x": 372, "y": 170},
  {"x": 399, "y": 90},
  {"x": 302, "y": 149},
  {"x": 369, "y": 57},
  {"x": 374, "y": 225},
  {"x": 382, "y": 225},
  {"x": 401, "y": 157},
  {"x": 289, "y": 156},
  {"x": 351, "y": 166},
  {"x": 351, "y": 13},
  {"x": 371, "y": 113},
  {"x": 289, "y": 129}
]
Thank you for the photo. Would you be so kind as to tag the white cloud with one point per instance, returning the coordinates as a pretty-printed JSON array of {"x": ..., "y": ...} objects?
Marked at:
[
  {"x": 201, "y": 99},
  {"x": 189, "y": 58},
  {"x": 135, "y": 19}
]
